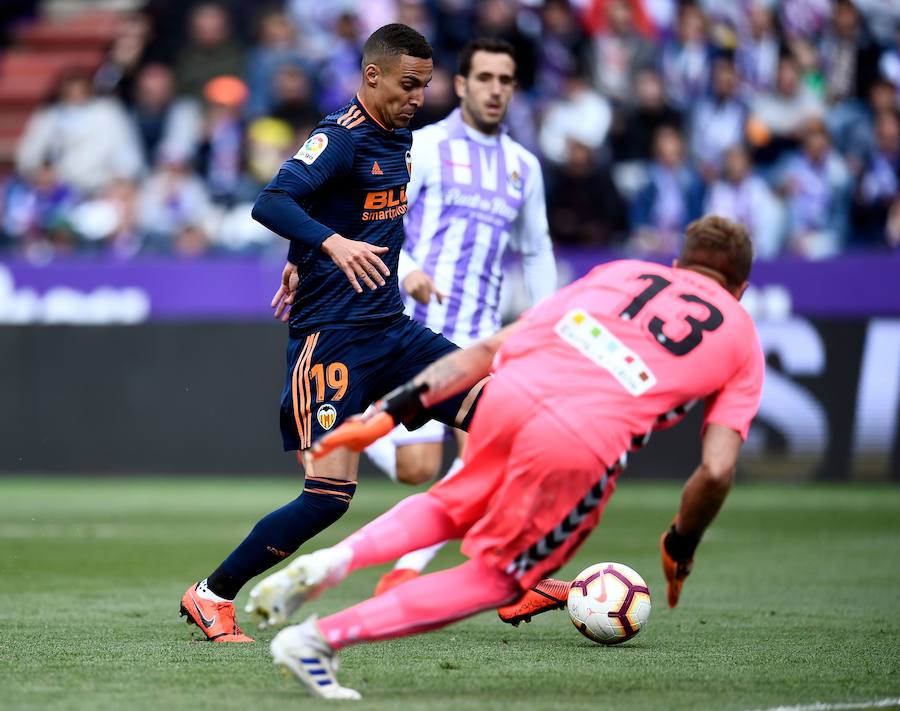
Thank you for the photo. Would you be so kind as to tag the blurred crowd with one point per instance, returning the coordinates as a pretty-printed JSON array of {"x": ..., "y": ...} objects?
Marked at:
[{"x": 645, "y": 114}]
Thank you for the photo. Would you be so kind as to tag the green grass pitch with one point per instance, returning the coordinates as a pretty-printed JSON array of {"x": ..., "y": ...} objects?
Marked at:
[{"x": 795, "y": 599}]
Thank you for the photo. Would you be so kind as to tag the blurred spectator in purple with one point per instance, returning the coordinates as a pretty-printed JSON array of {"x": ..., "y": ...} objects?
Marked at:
[
  {"x": 778, "y": 117},
  {"x": 163, "y": 123},
  {"x": 850, "y": 66},
  {"x": 87, "y": 140},
  {"x": 521, "y": 119},
  {"x": 757, "y": 51},
  {"x": 849, "y": 57},
  {"x": 415, "y": 14},
  {"x": 579, "y": 114},
  {"x": 882, "y": 18},
  {"x": 804, "y": 18},
  {"x": 663, "y": 15},
  {"x": 211, "y": 50},
  {"x": 816, "y": 183},
  {"x": 339, "y": 73},
  {"x": 315, "y": 23},
  {"x": 453, "y": 21},
  {"x": 634, "y": 128},
  {"x": 746, "y": 198},
  {"x": 293, "y": 99},
  {"x": 889, "y": 64},
  {"x": 276, "y": 48},
  {"x": 685, "y": 59},
  {"x": 672, "y": 197},
  {"x": 562, "y": 49},
  {"x": 173, "y": 208},
  {"x": 619, "y": 52},
  {"x": 731, "y": 16},
  {"x": 499, "y": 18},
  {"x": 717, "y": 121},
  {"x": 36, "y": 213},
  {"x": 220, "y": 154},
  {"x": 859, "y": 134},
  {"x": 878, "y": 188},
  {"x": 584, "y": 206}
]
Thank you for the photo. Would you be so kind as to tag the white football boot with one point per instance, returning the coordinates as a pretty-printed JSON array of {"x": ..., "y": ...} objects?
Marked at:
[
  {"x": 275, "y": 598},
  {"x": 302, "y": 651}
]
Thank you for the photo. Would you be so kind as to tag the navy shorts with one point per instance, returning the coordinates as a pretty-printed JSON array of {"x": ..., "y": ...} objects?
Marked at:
[{"x": 335, "y": 373}]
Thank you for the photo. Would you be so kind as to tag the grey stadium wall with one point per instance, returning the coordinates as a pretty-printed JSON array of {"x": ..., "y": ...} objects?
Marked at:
[{"x": 187, "y": 398}]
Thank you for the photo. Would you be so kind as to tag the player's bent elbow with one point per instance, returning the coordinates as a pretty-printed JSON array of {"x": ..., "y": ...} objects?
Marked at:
[{"x": 259, "y": 210}]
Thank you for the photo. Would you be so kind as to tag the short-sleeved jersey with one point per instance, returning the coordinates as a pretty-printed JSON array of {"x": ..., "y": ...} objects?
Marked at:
[
  {"x": 350, "y": 177},
  {"x": 472, "y": 197},
  {"x": 622, "y": 350}
]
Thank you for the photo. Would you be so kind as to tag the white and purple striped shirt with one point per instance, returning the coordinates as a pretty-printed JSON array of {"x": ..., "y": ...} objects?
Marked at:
[{"x": 472, "y": 197}]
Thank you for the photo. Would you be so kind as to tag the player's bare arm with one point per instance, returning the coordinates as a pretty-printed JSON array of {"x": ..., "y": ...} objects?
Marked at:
[
  {"x": 461, "y": 370},
  {"x": 358, "y": 260},
  {"x": 703, "y": 496},
  {"x": 705, "y": 492}
]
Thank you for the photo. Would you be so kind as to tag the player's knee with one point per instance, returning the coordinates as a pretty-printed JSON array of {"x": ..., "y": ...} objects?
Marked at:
[
  {"x": 418, "y": 463},
  {"x": 718, "y": 475},
  {"x": 416, "y": 472}
]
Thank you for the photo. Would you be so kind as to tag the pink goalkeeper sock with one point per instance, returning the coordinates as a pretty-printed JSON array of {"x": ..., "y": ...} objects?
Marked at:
[
  {"x": 416, "y": 522},
  {"x": 422, "y": 604}
]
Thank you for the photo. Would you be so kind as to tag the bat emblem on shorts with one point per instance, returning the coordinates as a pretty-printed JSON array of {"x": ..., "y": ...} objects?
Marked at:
[{"x": 326, "y": 415}]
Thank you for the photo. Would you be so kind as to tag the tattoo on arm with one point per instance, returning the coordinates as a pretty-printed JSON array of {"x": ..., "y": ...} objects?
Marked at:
[{"x": 455, "y": 372}]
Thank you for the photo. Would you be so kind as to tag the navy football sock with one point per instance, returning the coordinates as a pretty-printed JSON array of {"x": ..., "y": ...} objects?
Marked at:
[{"x": 282, "y": 532}]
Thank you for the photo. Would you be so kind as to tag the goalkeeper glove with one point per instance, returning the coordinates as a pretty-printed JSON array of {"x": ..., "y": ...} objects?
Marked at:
[{"x": 677, "y": 552}]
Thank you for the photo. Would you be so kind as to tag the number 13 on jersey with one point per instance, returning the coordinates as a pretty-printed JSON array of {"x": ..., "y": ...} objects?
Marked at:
[{"x": 656, "y": 325}]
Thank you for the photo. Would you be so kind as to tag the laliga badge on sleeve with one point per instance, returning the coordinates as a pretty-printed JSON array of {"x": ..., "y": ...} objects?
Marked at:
[{"x": 312, "y": 149}]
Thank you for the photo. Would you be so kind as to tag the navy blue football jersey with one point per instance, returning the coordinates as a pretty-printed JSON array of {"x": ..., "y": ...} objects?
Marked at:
[{"x": 349, "y": 177}]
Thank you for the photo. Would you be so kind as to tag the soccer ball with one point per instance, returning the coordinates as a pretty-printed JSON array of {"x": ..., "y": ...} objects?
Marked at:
[{"x": 609, "y": 603}]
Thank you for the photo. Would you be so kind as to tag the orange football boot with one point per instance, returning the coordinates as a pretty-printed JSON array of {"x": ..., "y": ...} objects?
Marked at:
[
  {"x": 675, "y": 572},
  {"x": 548, "y": 594},
  {"x": 395, "y": 577},
  {"x": 215, "y": 619}
]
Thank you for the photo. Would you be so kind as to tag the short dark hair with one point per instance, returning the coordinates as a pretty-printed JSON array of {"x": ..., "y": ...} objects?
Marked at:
[
  {"x": 392, "y": 41},
  {"x": 482, "y": 44},
  {"x": 721, "y": 245}
]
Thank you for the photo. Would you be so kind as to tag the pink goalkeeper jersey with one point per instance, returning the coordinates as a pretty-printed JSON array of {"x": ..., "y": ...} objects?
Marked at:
[{"x": 630, "y": 347}]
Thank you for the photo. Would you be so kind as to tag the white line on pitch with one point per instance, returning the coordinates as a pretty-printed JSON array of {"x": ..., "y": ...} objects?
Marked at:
[{"x": 818, "y": 706}]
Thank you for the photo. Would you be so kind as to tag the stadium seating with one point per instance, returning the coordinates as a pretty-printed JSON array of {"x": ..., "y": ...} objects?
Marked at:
[{"x": 41, "y": 52}]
